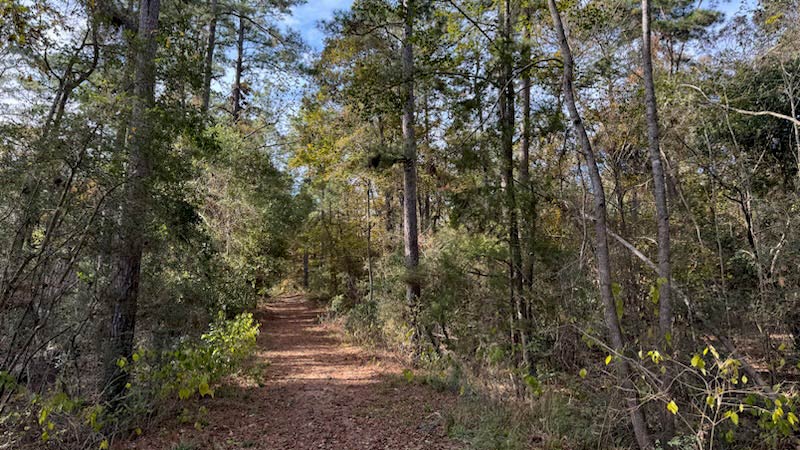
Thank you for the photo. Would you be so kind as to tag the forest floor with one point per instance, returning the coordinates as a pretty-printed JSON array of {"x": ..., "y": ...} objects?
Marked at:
[{"x": 310, "y": 389}]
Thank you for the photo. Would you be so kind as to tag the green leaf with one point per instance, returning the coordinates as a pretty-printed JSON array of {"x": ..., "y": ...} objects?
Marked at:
[
  {"x": 699, "y": 363},
  {"x": 616, "y": 289},
  {"x": 729, "y": 436},
  {"x": 582, "y": 373},
  {"x": 204, "y": 389},
  {"x": 184, "y": 393}
]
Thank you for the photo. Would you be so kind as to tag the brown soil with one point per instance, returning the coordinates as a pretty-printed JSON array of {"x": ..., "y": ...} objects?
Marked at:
[{"x": 316, "y": 392}]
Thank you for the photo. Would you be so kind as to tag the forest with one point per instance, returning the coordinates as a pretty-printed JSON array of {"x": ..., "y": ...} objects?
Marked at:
[{"x": 416, "y": 224}]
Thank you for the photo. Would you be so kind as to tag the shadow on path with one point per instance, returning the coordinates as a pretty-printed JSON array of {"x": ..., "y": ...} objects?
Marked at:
[{"x": 316, "y": 393}]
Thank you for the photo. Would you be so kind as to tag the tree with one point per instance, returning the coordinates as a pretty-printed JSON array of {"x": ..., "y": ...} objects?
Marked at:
[
  {"x": 124, "y": 289},
  {"x": 410, "y": 231},
  {"x": 665, "y": 315},
  {"x": 601, "y": 238}
]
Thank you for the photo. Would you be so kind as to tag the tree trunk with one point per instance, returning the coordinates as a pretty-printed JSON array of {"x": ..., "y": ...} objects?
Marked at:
[
  {"x": 410, "y": 233},
  {"x": 507, "y": 94},
  {"x": 305, "y": 268},
  {"x": 662, "y": 216},
  {"x": 369, "y": 239},
  {"x": 208, "y": 64},
  {"x": 236, "y": 107},
  {"x": 602, "y": 252},
  {"x": 124, "y": 289},
  {"x": 529, "y": 198}
]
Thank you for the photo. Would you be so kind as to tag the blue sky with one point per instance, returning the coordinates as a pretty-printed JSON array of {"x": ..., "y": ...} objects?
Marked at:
[{"x": 306, "y": 17}]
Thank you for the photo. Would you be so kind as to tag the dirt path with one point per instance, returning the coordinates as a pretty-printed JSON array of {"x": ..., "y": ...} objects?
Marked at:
[{"x": 316, "y": 393}]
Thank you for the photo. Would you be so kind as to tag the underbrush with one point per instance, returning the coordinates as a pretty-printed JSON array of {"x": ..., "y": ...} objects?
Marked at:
[
  {"x": 556, "y": 415},
  {"x": 160, "y": 383}
]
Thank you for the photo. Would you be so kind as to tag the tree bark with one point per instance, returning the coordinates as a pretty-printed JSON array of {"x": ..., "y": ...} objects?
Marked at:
[
  {"x": 507, "y": 94},
  {"x": 662, "y": 216},
  {"x": 208, "y": 64},
  {"x": 305, "y": 268},
  {"x": 236, "y": 95},
  {"x": 602, "y": 251},
  {"x": 410, "y": 232},
  {"x": 124, "y": 289},
  {"x": 369, "y": 240},
  {"x": 529, "y": 203}
]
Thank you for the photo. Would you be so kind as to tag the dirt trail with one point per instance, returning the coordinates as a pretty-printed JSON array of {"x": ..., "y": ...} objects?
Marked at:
[{"x": 316, "y": 393}]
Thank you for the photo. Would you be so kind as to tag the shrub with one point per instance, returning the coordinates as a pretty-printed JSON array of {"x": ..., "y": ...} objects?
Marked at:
[{"x": 193, "y": 368}]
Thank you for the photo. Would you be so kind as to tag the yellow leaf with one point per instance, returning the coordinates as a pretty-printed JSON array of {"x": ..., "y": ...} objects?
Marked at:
[
  {"x": 744, "y": 379},
  {"x": 672, "y": 407},
  {"x": 608, "y": 359},
  {"x": 735, "y": 418},
  {"x": 772, "y": 19},
  {"x": 582, "y": 373},
  {"x": 104, "y": 444},
  {"x": 791, "y": 418},
  {"x": 777, "y": 414}
]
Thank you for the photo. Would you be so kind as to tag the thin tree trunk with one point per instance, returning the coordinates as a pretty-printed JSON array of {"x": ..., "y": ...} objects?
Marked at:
[
  {"x": 124, "y": 289},
  {"x": 507, "y": 95},
  {"x": 662, "y": 216},
  {"x": 237, "y": 76},
  {"x": 305, "y": 268},
  {"x": 602, "y": 252},
  {"x": 529, "y": 205},
  {"x": 410, "y": 233},
  {"x": 369, "y": 240},
  {"x": 208, "y": 64}
]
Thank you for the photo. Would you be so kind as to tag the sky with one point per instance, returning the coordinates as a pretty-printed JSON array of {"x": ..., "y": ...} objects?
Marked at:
[{"x": 306, "y": 17}]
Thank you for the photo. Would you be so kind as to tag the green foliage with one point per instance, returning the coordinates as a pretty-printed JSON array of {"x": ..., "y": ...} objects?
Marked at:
[
  {"x": 192, "y": 369},
  {"x": 195, "y": 367}
]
